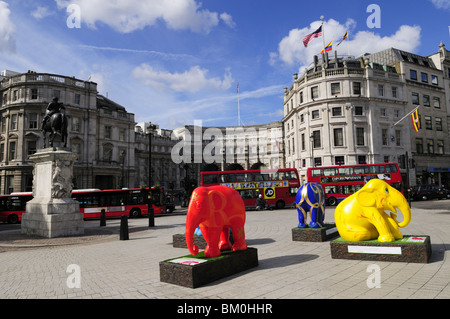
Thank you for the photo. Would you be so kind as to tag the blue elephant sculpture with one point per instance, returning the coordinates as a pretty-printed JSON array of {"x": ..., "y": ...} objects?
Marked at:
[{"x": 311, "y": 199}]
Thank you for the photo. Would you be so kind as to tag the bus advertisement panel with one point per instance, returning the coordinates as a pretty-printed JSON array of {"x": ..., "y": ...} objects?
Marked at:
[
  {"x": 339, "y": 182},
  {"x": 277, "y": 187},
  {"x": 115, "y": 202}
]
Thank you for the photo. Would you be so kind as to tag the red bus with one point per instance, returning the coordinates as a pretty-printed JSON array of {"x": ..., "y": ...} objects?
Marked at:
[
  {"x": 115, "y": 202},
  {"x": 277, "y": 187},
  {"x": 339, "y": 182}
]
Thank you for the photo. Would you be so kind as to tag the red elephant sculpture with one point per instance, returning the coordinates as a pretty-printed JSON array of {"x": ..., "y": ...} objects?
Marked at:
[{"x": 216, "y": 209}]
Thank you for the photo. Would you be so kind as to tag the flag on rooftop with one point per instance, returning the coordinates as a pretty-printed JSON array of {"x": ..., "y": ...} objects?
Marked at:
[
  {"x": 329, "y": 47},
  {"x": 311, "y": 36}
]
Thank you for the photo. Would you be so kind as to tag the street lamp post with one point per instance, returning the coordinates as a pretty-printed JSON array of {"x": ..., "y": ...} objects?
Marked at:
[{"x": 151, "y": 212}]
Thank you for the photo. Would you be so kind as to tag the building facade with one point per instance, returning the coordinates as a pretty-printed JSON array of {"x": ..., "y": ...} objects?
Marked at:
[
  {"x": 346, "y": 111},
  {"x": 100, "y": 131}
]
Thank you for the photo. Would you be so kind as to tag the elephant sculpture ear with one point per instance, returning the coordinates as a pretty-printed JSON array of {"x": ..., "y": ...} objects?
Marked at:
[{"x": 366, "y": 197}]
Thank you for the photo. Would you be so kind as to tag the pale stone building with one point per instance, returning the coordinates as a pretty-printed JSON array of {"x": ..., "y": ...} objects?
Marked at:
[{"x": 100, "y": 131}]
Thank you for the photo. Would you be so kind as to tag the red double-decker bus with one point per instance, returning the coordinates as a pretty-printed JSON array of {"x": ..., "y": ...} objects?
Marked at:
[
  {"x": 339, "y": 182},
  {"x": 115, "y": 202},
  {"x": 277, "y": 187}
]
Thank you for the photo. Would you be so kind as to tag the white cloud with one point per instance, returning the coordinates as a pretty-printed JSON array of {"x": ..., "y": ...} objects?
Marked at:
[
  {"x": 441, "y": 4},
  {"x": 228, "y": 19},
  {"x": 7, "y": 29},
  {"x": 292, "y": 51},
  {"x": 129, "y": 15},
  {"x": 193, "y": 80},
  {"x": 41, "y": 13}
]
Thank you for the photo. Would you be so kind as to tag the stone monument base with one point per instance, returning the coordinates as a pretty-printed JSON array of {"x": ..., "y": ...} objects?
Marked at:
[
  {"x": 315, "y": 234},
  {"x": 60, "y": 218},
  {"x": 193, "y": 271},
  {"x": 410, "y": 249},
  {"x": 179, "y": 241}
]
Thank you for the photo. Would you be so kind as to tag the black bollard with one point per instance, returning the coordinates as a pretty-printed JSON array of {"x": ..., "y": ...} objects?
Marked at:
[
  {"x": 102, "y": 218},
  {"x": 124, "y": 228}
]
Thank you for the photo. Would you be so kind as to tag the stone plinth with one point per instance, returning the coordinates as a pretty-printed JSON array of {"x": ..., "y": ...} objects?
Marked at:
[
  {"x": 52, "y": 212},
  {"x": 315, "y": 234},
  {"x": 193, "y": 272},
  {"x": 410, "y": 249}
]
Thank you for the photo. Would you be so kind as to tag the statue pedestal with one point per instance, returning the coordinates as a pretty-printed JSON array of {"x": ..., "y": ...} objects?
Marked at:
[
  {"x": 410, "y": 249},
  {"x": 315, "y": 234},
  {"x": 52, "y": 212},
  {"x": 193, "y": 272}
]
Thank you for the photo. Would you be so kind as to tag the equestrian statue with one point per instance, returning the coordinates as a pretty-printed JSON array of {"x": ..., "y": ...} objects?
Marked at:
[{"x": 55, "y": 123}]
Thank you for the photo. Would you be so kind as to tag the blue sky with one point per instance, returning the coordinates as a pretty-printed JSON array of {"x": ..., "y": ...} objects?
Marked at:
[{"x": 175, "y": 61}]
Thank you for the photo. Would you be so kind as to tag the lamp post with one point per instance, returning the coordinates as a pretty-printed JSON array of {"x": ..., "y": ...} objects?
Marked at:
[{"x": 151, "y": 212}]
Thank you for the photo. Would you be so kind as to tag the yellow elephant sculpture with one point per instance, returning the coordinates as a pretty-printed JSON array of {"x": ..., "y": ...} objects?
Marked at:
[{"x": 362, "y": 216}]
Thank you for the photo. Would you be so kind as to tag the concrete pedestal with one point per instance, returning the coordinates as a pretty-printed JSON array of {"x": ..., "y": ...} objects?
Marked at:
[{"x": 52, "y": 212}]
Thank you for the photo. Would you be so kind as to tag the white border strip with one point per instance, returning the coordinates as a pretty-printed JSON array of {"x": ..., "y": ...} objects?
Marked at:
[{"x": 375, "y": 250}]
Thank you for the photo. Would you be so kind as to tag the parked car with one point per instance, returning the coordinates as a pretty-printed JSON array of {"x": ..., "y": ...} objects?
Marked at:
[
  {"x": 444, "y": 193},
  {"x": 425, "y": 192}
]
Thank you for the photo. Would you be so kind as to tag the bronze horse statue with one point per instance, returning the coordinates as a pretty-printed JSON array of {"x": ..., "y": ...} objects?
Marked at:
[{"x": 55, "y": 125}]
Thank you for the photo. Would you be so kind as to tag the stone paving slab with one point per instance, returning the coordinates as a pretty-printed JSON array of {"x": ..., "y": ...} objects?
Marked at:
[{"x": 114, "y": 269}]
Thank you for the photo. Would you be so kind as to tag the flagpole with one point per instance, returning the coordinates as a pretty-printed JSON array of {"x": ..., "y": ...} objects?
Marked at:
[
  {"x": 348, "y": 40},
  {"x": 323, "y": 32},
  {"x": 409, "y": 114},
  {"x": 239, "y": 107}
]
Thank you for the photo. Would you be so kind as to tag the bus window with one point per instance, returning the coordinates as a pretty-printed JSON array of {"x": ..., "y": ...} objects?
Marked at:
[
  {"x": 331, "y": 189},
  {"x": 210, "y": 179},
  {"x": 247, "y": 194},
  {"x": 290, "y": 175},
  {"x": 329, "y": 172},
  {"x": 391, "y": 168},
  {"x": 345, "y": 170},
  {"x": 243, "y": 177},
  {"x": 279, "y": 176},
  {"x": 227, "y": 178},
  {"x": 377, "y": 169},
  {"x": 257, "y": 177},
  {"x": 348, "y": 189},
  {"x": 316, "y": 172},
  {"x": 358, "y": 187},
  {"x": 359, "y": 170}
]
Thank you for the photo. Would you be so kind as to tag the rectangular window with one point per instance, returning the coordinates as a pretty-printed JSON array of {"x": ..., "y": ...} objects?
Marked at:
[
  {"x": 413, "y": 75},
  {"x": 430, "y": 146},
  {"x": 32, "y": 121},
  {"x": 398, "y": 137},
  {"x": 12, "y": 151},
  {"x": 14, "y": 122},
  {"x": 424, "y": 77},
  {"x": 34, "y": 94},
  {"x": 107, "y": 131},
  {"x": 2, "y": 152},
  {"x": 31, "y": 147},
  {"x": 357, "y": 88},
  {"x": 415, "y": 99},
  {"x": 76, "y": 124},
  {"x": 359, "y": 110},
  {"x": 419, "y": 146},
  {"x": 336, "y": 111},
  {"x": 384, "y": 137},
  {"x": 339, "y": 160},
  {"x": 303, "y": 142},
  {"x": 122, "y": 134},
  {"x": 428, "y": 123},
  {"x": 345, "y": 171},
  {"x": 335, "y": 88},
  {"x": 440, "y": 147},
  {"x": 434, "y": 80},
  {"x": 381, "y": 90},
  {"x": 315, "y": 92},
  {"x": 426, "y": 100},
  {"x": 338, "y": 137},
  {"x": 316, "y": 139},
  {"x": 315, "y": 115},
  {"x": 438, "y": 122},
  {"x": 360, "y": 136},
  {"x": 77, "y": 99},
  {"x": 394, "y": 92},
  {"x": 437, "y": 103}
]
